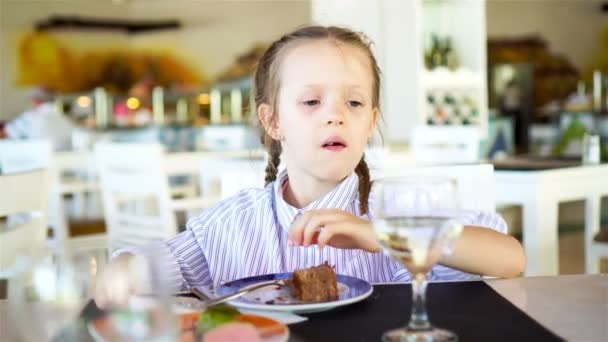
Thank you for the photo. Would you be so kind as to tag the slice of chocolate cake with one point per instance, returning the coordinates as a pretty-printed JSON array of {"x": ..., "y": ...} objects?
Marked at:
[{"x": 315, "y": 284}]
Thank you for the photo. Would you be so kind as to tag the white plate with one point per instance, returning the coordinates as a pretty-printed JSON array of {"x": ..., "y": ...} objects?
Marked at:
[
  {"x": 271, "y": 298},
  {"x": 101, "y": 330}
]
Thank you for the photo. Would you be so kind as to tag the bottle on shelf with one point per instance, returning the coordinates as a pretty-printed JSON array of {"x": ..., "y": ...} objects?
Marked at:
[
  {"x": 158, "y": 105},
  {"x": 101, "y": 107},
  {"x": 597, "y": 91},
  {"x": 440, "y": 53}
]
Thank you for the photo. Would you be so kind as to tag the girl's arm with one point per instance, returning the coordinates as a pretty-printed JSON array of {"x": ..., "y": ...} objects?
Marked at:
[
  {"x": 479, "y": 250},
  {"x": 484, "y": 251}
]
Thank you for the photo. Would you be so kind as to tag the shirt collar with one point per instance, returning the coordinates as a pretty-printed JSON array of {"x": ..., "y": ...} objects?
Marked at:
[{"x": 341, "y": 197}]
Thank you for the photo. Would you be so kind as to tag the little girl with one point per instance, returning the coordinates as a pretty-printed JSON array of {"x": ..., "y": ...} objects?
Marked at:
[{"x": 317, "y": 94}]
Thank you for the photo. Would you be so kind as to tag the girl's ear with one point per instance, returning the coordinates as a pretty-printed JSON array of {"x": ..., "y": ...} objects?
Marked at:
[
  {"x": 268, "y": 120},
  {"x": 372, "y": 124}
]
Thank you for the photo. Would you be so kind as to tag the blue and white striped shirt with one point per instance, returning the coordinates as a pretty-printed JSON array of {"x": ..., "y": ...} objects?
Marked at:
[{"x": 246, "y": 235}]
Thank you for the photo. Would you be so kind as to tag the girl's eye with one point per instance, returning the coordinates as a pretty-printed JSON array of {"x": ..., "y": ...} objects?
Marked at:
[
  {"x": 311, "y": 102},
  {"x": 355, "y": 103}
]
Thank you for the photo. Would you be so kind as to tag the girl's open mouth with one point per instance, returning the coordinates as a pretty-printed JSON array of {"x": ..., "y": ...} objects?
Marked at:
[{"x": 335, "y": 144}]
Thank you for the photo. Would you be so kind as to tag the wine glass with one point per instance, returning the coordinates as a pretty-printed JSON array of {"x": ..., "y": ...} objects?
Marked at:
[
  {"x": 48, "y": 291},
  {"x": 415, "y": 220},
  {"x": 147, "y": 313}
]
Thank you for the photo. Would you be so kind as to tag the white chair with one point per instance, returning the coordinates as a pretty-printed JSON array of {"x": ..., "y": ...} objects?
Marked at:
[
  {"x": 137, "y": 202},
  {"x": 380, "y": 158},
  {"x": 28, "y": 155},
  {"x": 476, "y": 183},
  {"x": 221, "y": 178},
  {"x": 434, "y": 145},
  {"x": 135, "y": 194},
  {"x": 24, "y": 195},
  {"x": 77, "y": 176},
  {"x": 594, "y": 250},
  {"x": 25, "y": 155},
  {"x": 188, "y": 164},
  {"x": 84, "y": 139},
  {"x": 182, "y": 170},
  {"x": 215, "y": 176}
]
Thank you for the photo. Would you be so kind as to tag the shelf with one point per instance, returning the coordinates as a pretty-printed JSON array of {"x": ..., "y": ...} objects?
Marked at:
[{"x": 444, "y": 79}]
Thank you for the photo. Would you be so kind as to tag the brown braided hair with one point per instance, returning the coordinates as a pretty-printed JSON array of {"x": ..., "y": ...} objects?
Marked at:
[{"x": 266, "y": 89}]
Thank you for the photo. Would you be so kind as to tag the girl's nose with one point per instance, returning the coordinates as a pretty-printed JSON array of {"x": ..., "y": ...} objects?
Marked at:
[
  {"x": 336, "y": 115},
  {"x": 335, "y": 121}
]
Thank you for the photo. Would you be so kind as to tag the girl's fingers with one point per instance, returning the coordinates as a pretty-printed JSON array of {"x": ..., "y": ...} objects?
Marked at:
[
  {"x": 297, "y": 228},
  {"x": 347, "y": 235},
  {"x": 325, "y": 236},
  {"x": 318, "y": 223},
  {"x": 304, "y": 227},
  {"x": 331, "y": 231},
  {"x": 314, "y": 225}
]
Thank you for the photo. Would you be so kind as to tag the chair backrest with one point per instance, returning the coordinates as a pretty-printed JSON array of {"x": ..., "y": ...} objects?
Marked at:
[
  {"x": 476, "y": 183},
  {"x": 135, "y": 192},
  {"x": 24, "y": 155},
  {"x": 76, "y": 161},
  {"x": 84, "y": 139},
  {"x": 35, "y": 154},
  {"x": 380, "y": 158},
  {"x": 229, "y": 137},
  {"x": 226, "y": 176},
  {"x": 432, "y": 145},
  {"x": 23, "y": 219},
  {"x": 74, "y": 173}
]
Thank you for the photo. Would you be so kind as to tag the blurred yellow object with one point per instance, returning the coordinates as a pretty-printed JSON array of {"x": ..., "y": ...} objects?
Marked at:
[
  {"x": 84, "y": 101},
  {"x": 203, "y": 99},
  {"x": 132, "y": 103},
  {"x": 44, "y": 61}
]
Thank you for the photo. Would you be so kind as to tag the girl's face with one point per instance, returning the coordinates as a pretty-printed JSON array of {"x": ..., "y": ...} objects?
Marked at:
[{"x": 325, "y": 113}]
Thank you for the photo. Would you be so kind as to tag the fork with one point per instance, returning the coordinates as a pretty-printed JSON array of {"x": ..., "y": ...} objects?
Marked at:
[{"x": 218, "y": 300}]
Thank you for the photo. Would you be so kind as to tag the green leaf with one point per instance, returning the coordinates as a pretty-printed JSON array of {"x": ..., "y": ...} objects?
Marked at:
[{"x": 215, "y": 317}]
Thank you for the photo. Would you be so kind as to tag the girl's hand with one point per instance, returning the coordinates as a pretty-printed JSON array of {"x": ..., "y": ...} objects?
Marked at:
[{"x": 335, "y": 228}]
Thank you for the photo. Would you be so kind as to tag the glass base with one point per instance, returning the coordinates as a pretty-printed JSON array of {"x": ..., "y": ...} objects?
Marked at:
[{"x": 406, "y": 335}]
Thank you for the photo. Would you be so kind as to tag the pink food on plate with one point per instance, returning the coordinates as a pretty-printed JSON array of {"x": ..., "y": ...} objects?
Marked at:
[{"x": 232, "y": 332}]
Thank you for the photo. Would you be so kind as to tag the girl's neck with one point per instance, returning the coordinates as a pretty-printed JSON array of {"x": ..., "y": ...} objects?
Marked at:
[{"x": 301, "y": 190}]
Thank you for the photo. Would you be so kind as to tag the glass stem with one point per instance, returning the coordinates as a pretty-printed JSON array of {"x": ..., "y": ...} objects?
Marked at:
[{"x": 419, "y": 319}]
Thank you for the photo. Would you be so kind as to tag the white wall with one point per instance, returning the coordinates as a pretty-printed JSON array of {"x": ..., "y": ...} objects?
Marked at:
[
  {"x": 217, "y": 31},
  {"x": 572, "y": 27},
  {"x": 214, "y": 31}
]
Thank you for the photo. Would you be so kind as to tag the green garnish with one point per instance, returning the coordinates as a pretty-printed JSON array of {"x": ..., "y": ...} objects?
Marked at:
[{"x": 215, "y": 317}]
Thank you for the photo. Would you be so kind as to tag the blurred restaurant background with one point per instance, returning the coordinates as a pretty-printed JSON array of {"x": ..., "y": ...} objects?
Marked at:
[{"x": 521, "y": 85}]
